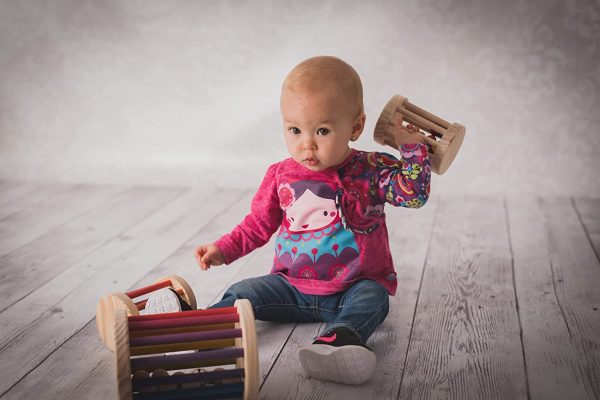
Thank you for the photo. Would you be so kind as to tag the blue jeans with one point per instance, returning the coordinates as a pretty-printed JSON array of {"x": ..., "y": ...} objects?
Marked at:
[{"x": 361, "y": 308}]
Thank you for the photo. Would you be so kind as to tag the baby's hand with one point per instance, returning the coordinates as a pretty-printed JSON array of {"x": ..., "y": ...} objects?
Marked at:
[
  {"x": 406, "y": 134},
  {"x": 208, "y": 255}
]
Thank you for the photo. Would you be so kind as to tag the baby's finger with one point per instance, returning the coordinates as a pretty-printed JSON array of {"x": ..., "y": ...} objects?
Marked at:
[
  {"x": 204, "y": 266},
  {"x": 405, "y": 130},
  {"x": 207, "y": 259}
]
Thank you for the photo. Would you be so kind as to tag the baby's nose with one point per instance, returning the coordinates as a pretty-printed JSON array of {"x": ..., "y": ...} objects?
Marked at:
[{"x": 309, "y": 144}]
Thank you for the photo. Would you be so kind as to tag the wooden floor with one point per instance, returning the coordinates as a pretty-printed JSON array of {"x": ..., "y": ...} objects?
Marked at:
[{"x": 498, "y": 298}]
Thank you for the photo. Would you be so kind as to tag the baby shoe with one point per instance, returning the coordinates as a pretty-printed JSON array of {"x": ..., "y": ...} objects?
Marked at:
[
  {"x": 164, "y": 300},
  {"x": 338, "y": 356}
]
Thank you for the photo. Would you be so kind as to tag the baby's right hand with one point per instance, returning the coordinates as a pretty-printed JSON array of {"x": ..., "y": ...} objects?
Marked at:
[
  {"x": 208, "y": 255},
  {"x": 406, "y": 134}
]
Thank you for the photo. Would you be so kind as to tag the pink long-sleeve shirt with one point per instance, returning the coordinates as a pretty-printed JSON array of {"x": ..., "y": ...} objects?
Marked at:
[{"x": 330, "y": 224}]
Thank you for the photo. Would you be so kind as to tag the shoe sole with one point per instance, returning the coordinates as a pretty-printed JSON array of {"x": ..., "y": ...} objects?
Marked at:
[
  {"x": 162, "y": 301},
  {"x": 350, "y": 365}
]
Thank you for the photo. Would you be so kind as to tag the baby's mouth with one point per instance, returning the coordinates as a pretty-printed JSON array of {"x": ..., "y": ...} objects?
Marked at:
[{"x": 310, "y": 161}]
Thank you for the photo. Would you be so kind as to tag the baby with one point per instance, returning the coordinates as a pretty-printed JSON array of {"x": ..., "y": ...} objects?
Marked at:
[{"x": 332, "y": 257}]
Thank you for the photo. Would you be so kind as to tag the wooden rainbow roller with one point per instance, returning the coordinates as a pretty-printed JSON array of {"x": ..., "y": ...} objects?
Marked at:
[
  {"x": 197, "y": 354},
  {"x": 444, "y": 139}
]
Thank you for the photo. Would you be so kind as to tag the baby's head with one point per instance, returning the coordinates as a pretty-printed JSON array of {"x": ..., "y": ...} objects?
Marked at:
[{"x": 322, "y": 110}]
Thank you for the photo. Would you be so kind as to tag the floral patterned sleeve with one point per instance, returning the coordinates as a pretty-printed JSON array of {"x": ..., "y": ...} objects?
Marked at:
[{"x": 403, "y": 182}]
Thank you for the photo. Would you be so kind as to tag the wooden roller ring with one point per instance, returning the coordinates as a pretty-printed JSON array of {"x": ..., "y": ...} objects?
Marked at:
[
  {"x": 178, "y": 282},
  {"x": 105, "y": 315},
  {"x": 444, "y": 138}
]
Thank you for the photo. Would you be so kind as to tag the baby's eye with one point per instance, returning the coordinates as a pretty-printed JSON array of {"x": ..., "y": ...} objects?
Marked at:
[
  {"x": 323, "y": 131},
  {"x": 294, "y": 131}
]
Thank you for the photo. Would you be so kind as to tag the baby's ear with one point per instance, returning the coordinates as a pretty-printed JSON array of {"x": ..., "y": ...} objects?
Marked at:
[{"x": 358, "y": 126}]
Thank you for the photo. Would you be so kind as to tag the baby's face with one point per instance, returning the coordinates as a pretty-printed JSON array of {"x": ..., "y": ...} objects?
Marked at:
[{"x": 317, "y": 128}]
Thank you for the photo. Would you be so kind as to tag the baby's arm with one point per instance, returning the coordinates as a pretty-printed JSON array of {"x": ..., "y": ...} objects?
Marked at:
[
  {"x": 253, "y": 232},
  {"x": 405, "y": 182}
]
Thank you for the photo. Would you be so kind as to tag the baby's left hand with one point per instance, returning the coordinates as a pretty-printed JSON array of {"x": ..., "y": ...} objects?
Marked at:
[{"x": 406, "y": 134}]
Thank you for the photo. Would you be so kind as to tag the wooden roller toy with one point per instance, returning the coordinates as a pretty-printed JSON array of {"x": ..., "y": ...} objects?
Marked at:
[
  {"x": 444, "y": 139},
  {"x": 170, "y": 355},
  {"x": 105, "y": 311}
]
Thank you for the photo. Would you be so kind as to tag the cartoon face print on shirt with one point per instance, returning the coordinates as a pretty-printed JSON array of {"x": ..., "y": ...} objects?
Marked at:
[
  {"x": 308, "y": 205},
  {"x": 312, "y": 243}
]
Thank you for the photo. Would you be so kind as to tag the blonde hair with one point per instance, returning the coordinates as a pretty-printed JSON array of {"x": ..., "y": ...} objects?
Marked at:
[{"x": 327, "y": 74}]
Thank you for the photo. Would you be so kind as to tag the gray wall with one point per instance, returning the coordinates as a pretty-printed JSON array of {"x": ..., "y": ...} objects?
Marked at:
[{"x": 187, "y": 92}]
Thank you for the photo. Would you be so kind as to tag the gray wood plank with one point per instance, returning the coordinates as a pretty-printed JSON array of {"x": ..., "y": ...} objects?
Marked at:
[
  {"x": 47, "y": 209},
  {"x": 39, "y": 195},
  {"x": 465, "y": 340},
  {"x": 12, "y": 191},
  {"x": 588, "y": 211},
  {"x": 81, "y": 368},
  {"x": 409, "y": 232},
  {"x": 556, "y": 365},
  {"x": 28, "y": 267},
  {"x": 576, "y": 272},
  {"x": 117, "y": 265}
]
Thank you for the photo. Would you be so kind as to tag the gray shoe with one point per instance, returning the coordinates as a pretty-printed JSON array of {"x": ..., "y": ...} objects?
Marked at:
[{"x": 338, "y": 356}]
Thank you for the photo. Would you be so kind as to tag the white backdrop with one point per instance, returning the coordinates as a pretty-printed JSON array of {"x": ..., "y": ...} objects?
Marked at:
[{"x": 187, "y": 92}]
